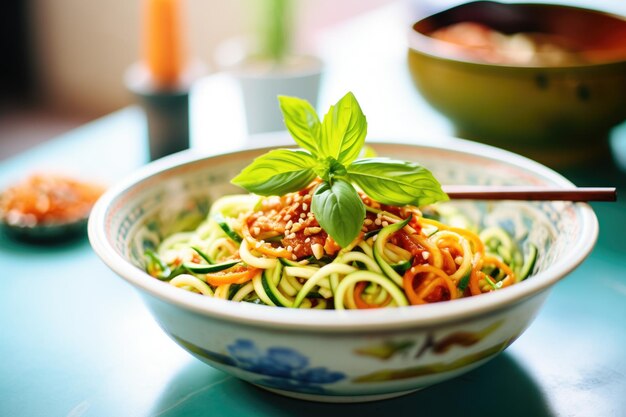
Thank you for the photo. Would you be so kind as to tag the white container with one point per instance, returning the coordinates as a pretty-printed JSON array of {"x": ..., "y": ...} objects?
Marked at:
[{"x": 263, "y": 81}]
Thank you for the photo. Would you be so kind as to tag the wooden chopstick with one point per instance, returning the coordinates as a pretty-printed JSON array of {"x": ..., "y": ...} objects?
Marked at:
[{"x": 530, "y": 193}]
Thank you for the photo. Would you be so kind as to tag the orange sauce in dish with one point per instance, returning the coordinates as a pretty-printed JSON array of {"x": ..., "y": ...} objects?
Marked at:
[{"x": 44, "y": 199}]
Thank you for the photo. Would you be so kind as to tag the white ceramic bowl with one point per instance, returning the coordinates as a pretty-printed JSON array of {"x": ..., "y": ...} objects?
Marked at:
[{"x": 339, "y": 356}]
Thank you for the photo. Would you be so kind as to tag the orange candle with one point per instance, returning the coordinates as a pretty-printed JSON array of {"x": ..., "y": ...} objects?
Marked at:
[{"x": 163, "y": 52}]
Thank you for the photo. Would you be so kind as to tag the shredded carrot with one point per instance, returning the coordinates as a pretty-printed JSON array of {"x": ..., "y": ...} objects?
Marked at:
[
  {"x": 233, "y": 277},
  {"x": 426, "y": 286},
  {"x": 474, "y": 284},
  {"x": 510, "y": 275},
  {"x": 361, "y": 303},
  {"x": 477, "y": 244},
  {"x": 449, "y": 266}
]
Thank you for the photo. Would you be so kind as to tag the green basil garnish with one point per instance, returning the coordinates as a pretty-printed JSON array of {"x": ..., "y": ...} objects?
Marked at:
[{"x": 331, "y": 150}]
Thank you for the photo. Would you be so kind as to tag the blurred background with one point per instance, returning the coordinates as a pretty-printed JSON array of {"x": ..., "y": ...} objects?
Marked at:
[{"x": 63, "y": 60}]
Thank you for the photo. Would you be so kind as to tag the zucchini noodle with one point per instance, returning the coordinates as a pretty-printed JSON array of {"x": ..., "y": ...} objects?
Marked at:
[{"x": 272, "y": 251}]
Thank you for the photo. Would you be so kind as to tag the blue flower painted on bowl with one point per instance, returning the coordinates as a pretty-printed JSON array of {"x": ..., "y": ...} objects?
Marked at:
[{"x": 286, "y": 368}]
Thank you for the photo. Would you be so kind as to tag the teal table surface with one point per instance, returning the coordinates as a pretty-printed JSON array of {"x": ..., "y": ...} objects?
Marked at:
[{"x": 77, "y": 341}]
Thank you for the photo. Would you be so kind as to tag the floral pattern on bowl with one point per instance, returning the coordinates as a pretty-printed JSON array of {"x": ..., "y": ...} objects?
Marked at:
[{"x": 279, "y": 367}]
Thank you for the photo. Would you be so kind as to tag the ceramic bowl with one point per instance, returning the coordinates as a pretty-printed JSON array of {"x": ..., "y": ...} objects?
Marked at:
[
  {"x": 329, "y": 355},
  {"x": 560, "y": 114}
]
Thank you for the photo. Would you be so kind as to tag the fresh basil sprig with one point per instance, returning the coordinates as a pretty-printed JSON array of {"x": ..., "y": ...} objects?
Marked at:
[{"x": 331, "y": 150}]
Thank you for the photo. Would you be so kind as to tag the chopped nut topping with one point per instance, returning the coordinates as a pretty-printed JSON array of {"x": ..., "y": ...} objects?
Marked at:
[
  {"x": 312, "y": 230},
  {"x": 318, "y": 250}
]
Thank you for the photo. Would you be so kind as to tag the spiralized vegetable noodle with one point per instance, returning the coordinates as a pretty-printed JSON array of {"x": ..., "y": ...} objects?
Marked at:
[{"x": 272, "y": 251}]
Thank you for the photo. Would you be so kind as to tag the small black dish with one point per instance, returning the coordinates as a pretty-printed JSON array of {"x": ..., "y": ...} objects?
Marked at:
[{"x": 51, "y": 233}]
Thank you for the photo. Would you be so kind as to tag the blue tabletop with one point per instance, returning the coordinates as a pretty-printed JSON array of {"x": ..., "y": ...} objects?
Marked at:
[{"x": 77, "y": 341}]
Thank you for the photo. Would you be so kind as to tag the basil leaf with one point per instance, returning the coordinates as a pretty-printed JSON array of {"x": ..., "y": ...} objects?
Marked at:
[
  {"x": 329, "y": 169},
  {"x": 277, "y": 172},
  {"x": 339, "y": 211},
  {"x": 396, "y": 182},
  {"x": 301, "y": 121},
  {"x": 344, "y": 130}
]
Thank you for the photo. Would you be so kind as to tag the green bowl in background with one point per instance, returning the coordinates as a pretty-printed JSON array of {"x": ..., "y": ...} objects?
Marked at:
[{"x": 559, "y": 115}]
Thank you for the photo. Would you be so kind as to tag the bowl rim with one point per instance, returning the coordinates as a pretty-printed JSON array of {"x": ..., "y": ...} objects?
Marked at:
[
  {"x": 344, "y": 320},
  {"x": 419, "y": 42}
]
